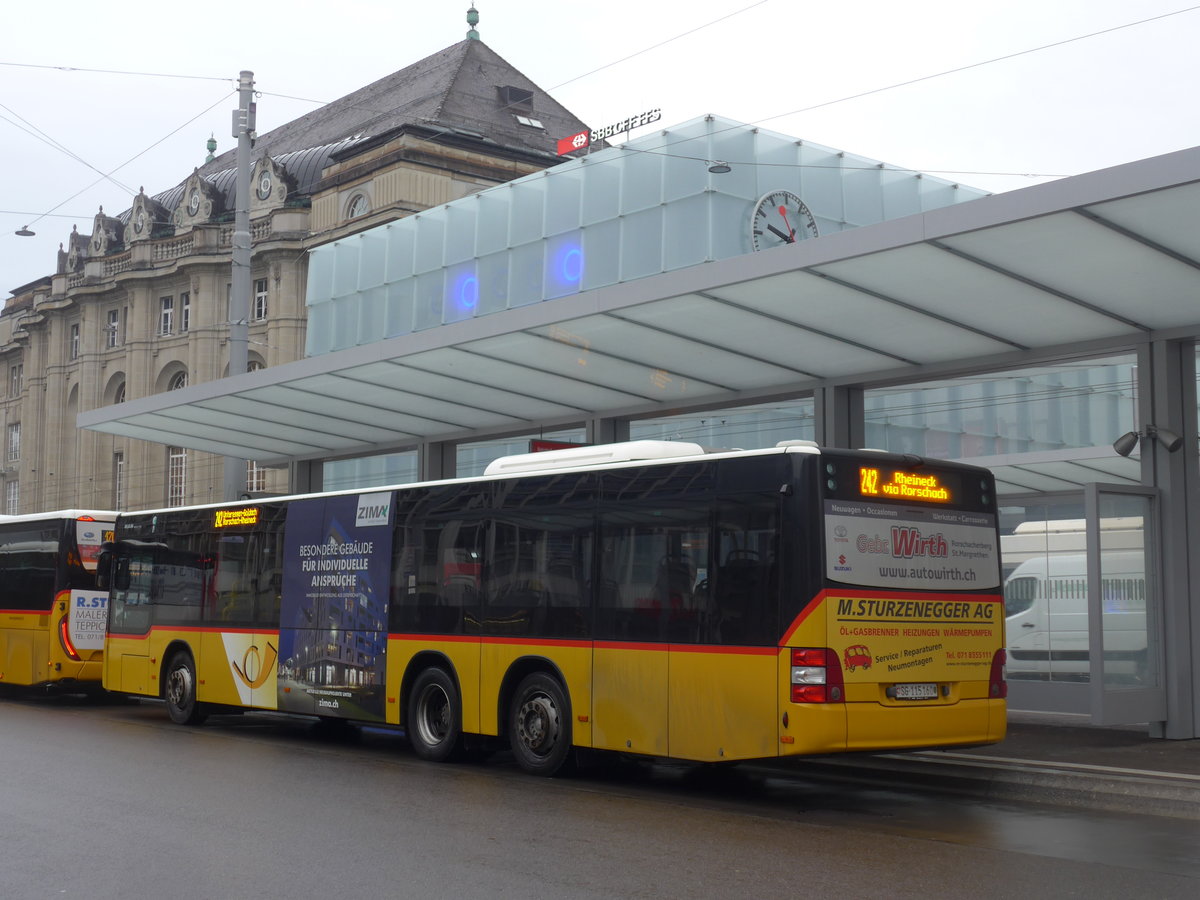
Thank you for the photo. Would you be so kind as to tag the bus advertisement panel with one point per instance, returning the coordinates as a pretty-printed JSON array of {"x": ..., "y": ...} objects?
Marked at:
[
  {"x": 333, "y": 617},
  {"x": 947, "y": 637}
]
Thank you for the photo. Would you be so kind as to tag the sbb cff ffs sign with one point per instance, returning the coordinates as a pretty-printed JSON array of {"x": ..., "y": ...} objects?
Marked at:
[{"x": 586, "y": 138}]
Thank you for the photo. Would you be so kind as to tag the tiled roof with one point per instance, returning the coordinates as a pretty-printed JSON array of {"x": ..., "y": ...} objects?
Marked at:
[{"x": 456, "y": 88}]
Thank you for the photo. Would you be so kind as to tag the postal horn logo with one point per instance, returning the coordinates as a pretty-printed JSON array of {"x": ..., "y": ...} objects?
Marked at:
[{"x": 256, "y": 666}]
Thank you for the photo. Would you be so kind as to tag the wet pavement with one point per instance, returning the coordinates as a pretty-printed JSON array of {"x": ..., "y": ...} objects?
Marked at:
[{"x": 1055, "y": 759}]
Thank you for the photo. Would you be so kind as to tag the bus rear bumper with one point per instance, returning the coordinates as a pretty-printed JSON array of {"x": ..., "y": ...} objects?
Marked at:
[{"x": 871, "y": 727}]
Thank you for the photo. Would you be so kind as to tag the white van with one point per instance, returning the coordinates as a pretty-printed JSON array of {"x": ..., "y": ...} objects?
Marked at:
[{"x": 1046, "y": 605}]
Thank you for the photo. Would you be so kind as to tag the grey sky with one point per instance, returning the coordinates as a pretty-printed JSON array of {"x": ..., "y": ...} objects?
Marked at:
[{"x": 1083, "y": 103}]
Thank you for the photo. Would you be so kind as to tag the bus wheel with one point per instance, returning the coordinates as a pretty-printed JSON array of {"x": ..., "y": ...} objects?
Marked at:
[
  {"x": 539, "y": 725},
  {"x": 434, "y": 722},
  {"x": 180, "y": 690}
]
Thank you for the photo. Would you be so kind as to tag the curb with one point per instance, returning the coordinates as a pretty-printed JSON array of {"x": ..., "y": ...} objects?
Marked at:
[{"x": 1073, "y": 785}]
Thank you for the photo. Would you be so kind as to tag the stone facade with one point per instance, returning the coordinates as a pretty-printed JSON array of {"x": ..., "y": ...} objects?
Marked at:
[{"x": 140, "y": 305}]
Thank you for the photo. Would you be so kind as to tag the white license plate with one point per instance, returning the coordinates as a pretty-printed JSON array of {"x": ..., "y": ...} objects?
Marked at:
[{"x": 921, "y": 691}]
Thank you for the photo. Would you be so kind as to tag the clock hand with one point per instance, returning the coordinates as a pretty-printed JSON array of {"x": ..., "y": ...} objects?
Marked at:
[
  {"x": 791, "y": 239},
  {"x": 780, "y": 234}
]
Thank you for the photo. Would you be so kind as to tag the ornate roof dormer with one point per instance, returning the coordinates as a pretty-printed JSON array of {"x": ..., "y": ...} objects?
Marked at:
[
  {"x": 147, "y": 217},
  {"x": 198, "y": 204},
  {"x": 107, "y": 235},
  {"x": 270, "y": 184},
  {"x": 78, "y": 246}
]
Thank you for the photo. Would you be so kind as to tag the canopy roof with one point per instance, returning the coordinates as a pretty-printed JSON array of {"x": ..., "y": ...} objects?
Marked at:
[{"x": 1098, "y": 261}]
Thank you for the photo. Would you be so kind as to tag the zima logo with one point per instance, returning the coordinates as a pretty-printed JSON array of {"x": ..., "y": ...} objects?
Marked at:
[{"x": 374, "y": 509}]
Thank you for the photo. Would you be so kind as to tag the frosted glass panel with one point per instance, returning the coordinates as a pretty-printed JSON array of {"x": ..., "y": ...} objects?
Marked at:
[
  {"x": 318, "y": 338},
  {"x": 372, "y": 311},
  {"x": 641, "y": 240},
  {"x": 320, "y": 274},
  {"x": 564, "y": 266},
  {"x": 431, "y": 235},
  {"x": 460, "y": 233},
  {"x": 399, "y": 308},
  {"x": 345, "y": 268},
  {"x": 601, "y": 191},
  {"x": 492, "y": 220},
  {"x": 564, "y": 193},
  {"x": 641, "y": 186},
  {"x": 427, "y": 311},
  {"x": 344, "y": 330},
  {"x": 525, "y": 224},
  {"x": 372, "y": 266},
  {"x": 685, "y": 233},
  {"x": 646, "y": 207},
  {"x": 525, "y": 275},
  {"x": 493, "y": 283},
  {"x": 401, "y": 237},
  {"x": 602, "y": 244},
  {"x": 462, "y": 293}
]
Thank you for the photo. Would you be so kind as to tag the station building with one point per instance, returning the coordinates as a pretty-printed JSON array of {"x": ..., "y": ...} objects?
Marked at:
[{"x": 717, "y": 283}]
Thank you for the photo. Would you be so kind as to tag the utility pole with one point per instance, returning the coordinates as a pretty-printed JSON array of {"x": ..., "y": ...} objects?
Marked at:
[{"x": 239, "y": 296}]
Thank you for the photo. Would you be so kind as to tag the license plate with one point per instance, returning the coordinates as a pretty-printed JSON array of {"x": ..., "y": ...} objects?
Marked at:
[{"x": 921, "y": 691}]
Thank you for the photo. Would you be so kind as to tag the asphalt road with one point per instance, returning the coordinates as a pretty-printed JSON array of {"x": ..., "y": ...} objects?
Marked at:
[{"x": 113, "y": 801}]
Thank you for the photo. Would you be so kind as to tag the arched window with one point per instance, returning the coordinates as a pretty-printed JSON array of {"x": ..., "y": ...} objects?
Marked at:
[
  {"x": 178, "y": 380},
  {"x": 359, "y": 206},
  {"x": 119, "y": 396}
]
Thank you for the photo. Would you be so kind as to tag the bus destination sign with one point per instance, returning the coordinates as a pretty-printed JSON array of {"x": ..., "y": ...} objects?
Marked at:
[
  {"x": 228, "y": 518},
  {"x": 898, "y": 484}
]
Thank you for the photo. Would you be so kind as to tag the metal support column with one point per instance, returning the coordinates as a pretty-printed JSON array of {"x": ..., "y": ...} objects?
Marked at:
[
  {"x": 1172, "y": 405},
  {"x": 239, "y": 295},
  {"x": 839, "y": 417}
]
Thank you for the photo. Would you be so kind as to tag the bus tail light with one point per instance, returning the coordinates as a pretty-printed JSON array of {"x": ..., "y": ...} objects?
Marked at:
[
  {"x": 997, "y": 684},
  {"x": 816, "y": 676},
  {"x": 64, "y": 638}
]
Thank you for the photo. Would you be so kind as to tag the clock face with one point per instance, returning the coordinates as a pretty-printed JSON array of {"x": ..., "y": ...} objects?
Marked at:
[
  {"x": 264, "y": 185},
  {"x": 194, "y": 202},
  {"x": 140, "y": 223},
  {"x": 779, "y": 218}
]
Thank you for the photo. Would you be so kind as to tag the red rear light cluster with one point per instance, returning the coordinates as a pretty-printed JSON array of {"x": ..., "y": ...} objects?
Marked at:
[
  {"x": 64, "y": 638},
  {"x": 997, "y": 685},
  {"x": 816, "y": 676}
]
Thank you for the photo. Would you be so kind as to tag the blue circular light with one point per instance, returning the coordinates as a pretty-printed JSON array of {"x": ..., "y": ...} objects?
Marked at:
[
  {"x": 571, "y": 264},
  {"x": 468, "y": 293}
]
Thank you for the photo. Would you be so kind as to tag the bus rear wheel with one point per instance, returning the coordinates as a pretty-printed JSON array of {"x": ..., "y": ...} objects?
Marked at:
[
  {"x": 539, "y": 725},
  {"x": 434, "y": 722},
  {"x": 179, "y": 690}
]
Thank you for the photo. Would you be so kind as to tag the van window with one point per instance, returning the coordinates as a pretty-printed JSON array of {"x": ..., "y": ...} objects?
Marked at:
[{"x": 1019, "y": 594}]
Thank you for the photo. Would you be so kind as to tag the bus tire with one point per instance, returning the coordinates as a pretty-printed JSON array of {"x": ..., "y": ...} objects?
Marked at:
[
  {"x": 434, "y": 721},
  {"x": 179, "y": 690},
  {"x": 539, "y": 725}
]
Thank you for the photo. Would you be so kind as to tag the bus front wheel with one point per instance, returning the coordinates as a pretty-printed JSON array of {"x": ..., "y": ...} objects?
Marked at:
[
  {"x": 179, "y": 690},
  {"x": 539, "y": 725},
  {"x": 434, "y": 716}
]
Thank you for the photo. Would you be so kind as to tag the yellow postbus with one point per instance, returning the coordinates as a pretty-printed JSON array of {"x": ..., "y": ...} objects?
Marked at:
[
  {"x": 52, "y": 617},
  {"x": 650, "y": 598}
]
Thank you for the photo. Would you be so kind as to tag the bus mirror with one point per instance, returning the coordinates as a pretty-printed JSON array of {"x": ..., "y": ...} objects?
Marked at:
[
  {"x": 103, "y": 566},
  {"x": 120, "y": 574}
]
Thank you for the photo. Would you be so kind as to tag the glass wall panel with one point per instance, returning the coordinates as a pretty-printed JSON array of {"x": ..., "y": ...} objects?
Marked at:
[
  {"x": 472, "y": 459},
  {"x": 1043, "y": 545},
  {"x": 1084, "y": 403},
  {"x": 744, "y": 427},
  {"x": 370, "y": 471}
]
